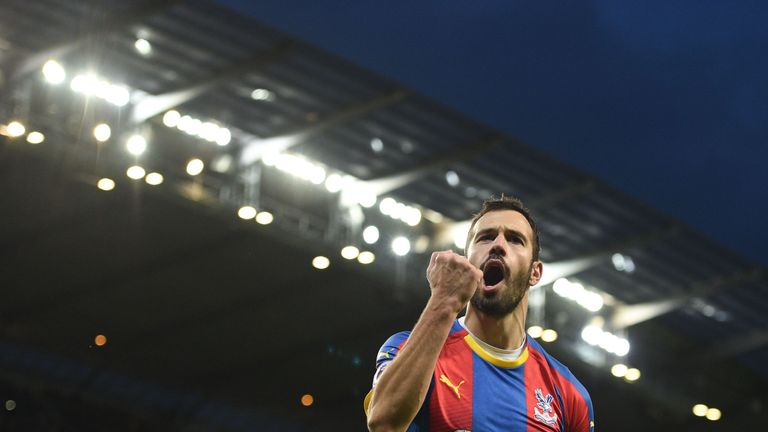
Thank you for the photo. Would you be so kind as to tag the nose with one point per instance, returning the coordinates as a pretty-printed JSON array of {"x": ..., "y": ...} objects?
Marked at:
[{"x": 499, "y": 245}]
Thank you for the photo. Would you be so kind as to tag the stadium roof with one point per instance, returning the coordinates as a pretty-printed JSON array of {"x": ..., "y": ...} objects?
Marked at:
[{"x": 224, "y": 321}]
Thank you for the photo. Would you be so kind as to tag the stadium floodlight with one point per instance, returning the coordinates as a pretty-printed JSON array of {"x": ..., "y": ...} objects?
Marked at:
[
  {"x": 246, "y": 212},
  {"x": 377, "y": 145},
  {"x": 366, "y": 257},
  {"x": 334, "y": 183},
  {"x": 54, "y": 72},
  {"x": 105, "y": 184},
  {"x": 195, "y": 167},
  {"x": 592, "y": 334},
  {"x": 633, "y": 374},
  {"x": 714, "y": 414},
  {"x": 136, "y": 145},
  {"x": 136, "y": 172},
  {"x": 387, "y": 205},
  {"x": 320, "y": 262},
  {"x": 549, "y": 335},
  {"x": 143, "y": 46},
  {"x": 154, "y": 179},
  {"x": 35, "y": 137},
  {"x": 102, "y": 132},
  {"x": 371, "y": 234},
  {"x": 261, "y": 94},
  {"x": 412, "y": 216},
  {"x": 350, "y": 252},
  {"x": 535, "y": 331},
  {"x": 700, "y": 410},
  {"x": 459, "y": 232},
  {"x": 452, "y": 178},
  {"x": 116, "y": 95},
  {"x": 171, "y": 118},
  {"x": 264, "y": 218},
  {"x": 619, "y": 370},
  {"x": 401, "y": 246},
  {"x": 15, "y": 129},
  {"x": 223, "y": 136}
]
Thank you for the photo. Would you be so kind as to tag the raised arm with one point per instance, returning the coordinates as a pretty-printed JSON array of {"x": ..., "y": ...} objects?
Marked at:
[{"x": 402, "y": 387}]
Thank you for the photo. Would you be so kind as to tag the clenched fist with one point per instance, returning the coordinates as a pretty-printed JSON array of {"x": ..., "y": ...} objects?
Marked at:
[{"x": 452, "y": 278}]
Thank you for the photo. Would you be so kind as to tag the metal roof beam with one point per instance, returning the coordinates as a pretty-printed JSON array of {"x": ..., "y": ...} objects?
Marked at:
[
  {"x": 291, "y": 137},
  {"x": 109, "y": 25},
  {"x": 394, "y": 181},
  {"x": 629, "y": 315},
  {"x": 153, "y": 105}
]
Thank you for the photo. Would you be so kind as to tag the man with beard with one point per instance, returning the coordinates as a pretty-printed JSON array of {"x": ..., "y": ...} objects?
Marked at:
[{"x": 479, "y": 372}]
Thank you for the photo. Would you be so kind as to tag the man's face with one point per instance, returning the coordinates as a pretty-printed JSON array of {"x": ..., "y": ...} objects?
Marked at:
[{"x": 502, "y": 247}]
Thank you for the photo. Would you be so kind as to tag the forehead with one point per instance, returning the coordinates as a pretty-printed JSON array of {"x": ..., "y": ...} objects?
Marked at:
[{"x": 504, "y": 219}]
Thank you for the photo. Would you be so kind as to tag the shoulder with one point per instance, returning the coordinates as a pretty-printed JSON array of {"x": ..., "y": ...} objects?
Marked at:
[{"x": 559, "y": 370}]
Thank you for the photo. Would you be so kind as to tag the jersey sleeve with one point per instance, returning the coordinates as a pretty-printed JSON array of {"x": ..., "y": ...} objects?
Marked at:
[
  {"x": 386, "y": 354},
  {"x": 581, "y": 414}
]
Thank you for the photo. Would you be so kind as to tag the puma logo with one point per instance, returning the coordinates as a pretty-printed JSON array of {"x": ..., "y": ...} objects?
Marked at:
[{"x": 455, "y": 388}]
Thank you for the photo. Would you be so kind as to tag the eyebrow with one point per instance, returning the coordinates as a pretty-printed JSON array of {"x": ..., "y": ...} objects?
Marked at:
[{"x": 497, "y": 229}]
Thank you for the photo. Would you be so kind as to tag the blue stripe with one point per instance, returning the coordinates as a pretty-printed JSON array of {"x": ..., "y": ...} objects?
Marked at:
[
  {"x": 567, "y": 374},
  {"x": 498, "y": 397}
]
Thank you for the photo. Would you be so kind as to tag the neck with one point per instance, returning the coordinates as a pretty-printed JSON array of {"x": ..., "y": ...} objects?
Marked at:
[{"x": 507, "y": 332}]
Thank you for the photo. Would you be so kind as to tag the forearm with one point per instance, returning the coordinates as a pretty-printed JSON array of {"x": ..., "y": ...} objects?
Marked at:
[{"x": 403, "y": 386}]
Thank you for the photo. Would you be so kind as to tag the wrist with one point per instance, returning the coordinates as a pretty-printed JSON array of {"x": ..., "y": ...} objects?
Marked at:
[{"x": 447, "y": 306}]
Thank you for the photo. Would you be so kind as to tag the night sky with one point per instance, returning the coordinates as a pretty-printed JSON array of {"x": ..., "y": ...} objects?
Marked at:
[{"x": 667, "y": 101}]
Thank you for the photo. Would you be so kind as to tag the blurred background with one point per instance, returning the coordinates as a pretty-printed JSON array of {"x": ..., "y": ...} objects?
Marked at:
[{"x": 212, "y": 214}]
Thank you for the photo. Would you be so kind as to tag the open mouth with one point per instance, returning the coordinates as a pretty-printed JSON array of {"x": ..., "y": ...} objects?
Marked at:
[{"x": 493, "y": 272}]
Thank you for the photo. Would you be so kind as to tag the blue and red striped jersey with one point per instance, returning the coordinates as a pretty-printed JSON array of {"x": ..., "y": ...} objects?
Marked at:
[{"x": 471, "y": 390}]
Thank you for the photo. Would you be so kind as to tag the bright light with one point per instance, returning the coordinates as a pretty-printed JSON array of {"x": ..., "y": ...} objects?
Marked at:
[
  {"x": 116, "y": 95},
  {"x": 371, "y": 234},
  {"x": 452, "y": 178},
  {"x": 307, "y": 400},
  {"x": 105, "y": 184},
  {"x": 561, "y": 286},
  {"x": 592, "y": 334},
  {"x": 85, "y": 84},
  {"x": 397, "y": 211},
  {"x": 377, "y": 145},
  {"x": 320, "y": 262},
  {"x": 143, "y": 46},
  {"x": 136, "y": 145},
  {"x": 412, "y": 216},
  {"x": 401, "y": 246},
  {"x": 15, "y": 129},
  {"x": 366, "y": 257},
  {"x": 366, "y": 199},
  {"x": 619, "y": 370},
  {"x": 223, "y": 136},
  {"x": 171, "y": 118},
  {"x": 262, "y": 95},
  {"x": 316, "y": 175},
  {"x": 35, "y": 137},
  {"x": 700, "y": 410},
  {"x": 460, "y": 232},
  {"x": 100, "y": 340},
  {"x": 591, "y": 301},
  {"x": 136, "y": 172},
  {"x": 387, "y": 206},
  {"x": 714, "y": 414},
  {"x": 195, "y": 167},
  {"x": 350, "y": 252},
  {"x": 334, "y": 183},
  {"x": 621, "y": 348},
  {"x": 54, "y": 72},
  {"x": 421, "y": 244},
  {"x": 102, "y": 132},
  {"x": 154, "y": 179},
  {"x": 535, "y": 331},
  {"x": 246, "y": 212},
  {"x": 623, "y": 263},
  {"x": 549, "y": 335},
  {"x": 633, "y": 374},
  {"x": 264, "y": 218}
]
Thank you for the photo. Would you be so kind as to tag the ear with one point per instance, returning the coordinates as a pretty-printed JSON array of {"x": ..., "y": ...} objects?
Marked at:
[{"x": 537, "y": 269}]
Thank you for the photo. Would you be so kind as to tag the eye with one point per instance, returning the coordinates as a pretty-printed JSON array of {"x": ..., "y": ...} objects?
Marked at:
[
  {"x": 484, "y": 237},
  {"x": 515, "y": 239}
]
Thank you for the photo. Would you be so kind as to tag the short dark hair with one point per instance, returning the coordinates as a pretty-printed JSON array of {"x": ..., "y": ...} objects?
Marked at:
[{"x": 507, "y": 203}]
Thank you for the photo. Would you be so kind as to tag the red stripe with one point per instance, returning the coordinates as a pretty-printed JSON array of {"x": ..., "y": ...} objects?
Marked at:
[
  {"x": 447, "y": 411},
  {"x": 538, "y": 376}
]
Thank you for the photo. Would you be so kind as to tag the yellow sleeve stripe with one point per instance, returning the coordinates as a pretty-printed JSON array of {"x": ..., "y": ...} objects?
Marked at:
[{"x": 367, "y": 401}]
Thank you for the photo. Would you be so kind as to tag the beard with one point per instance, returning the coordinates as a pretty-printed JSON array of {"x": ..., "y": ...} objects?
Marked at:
[{"x": 501, "y": 303}]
